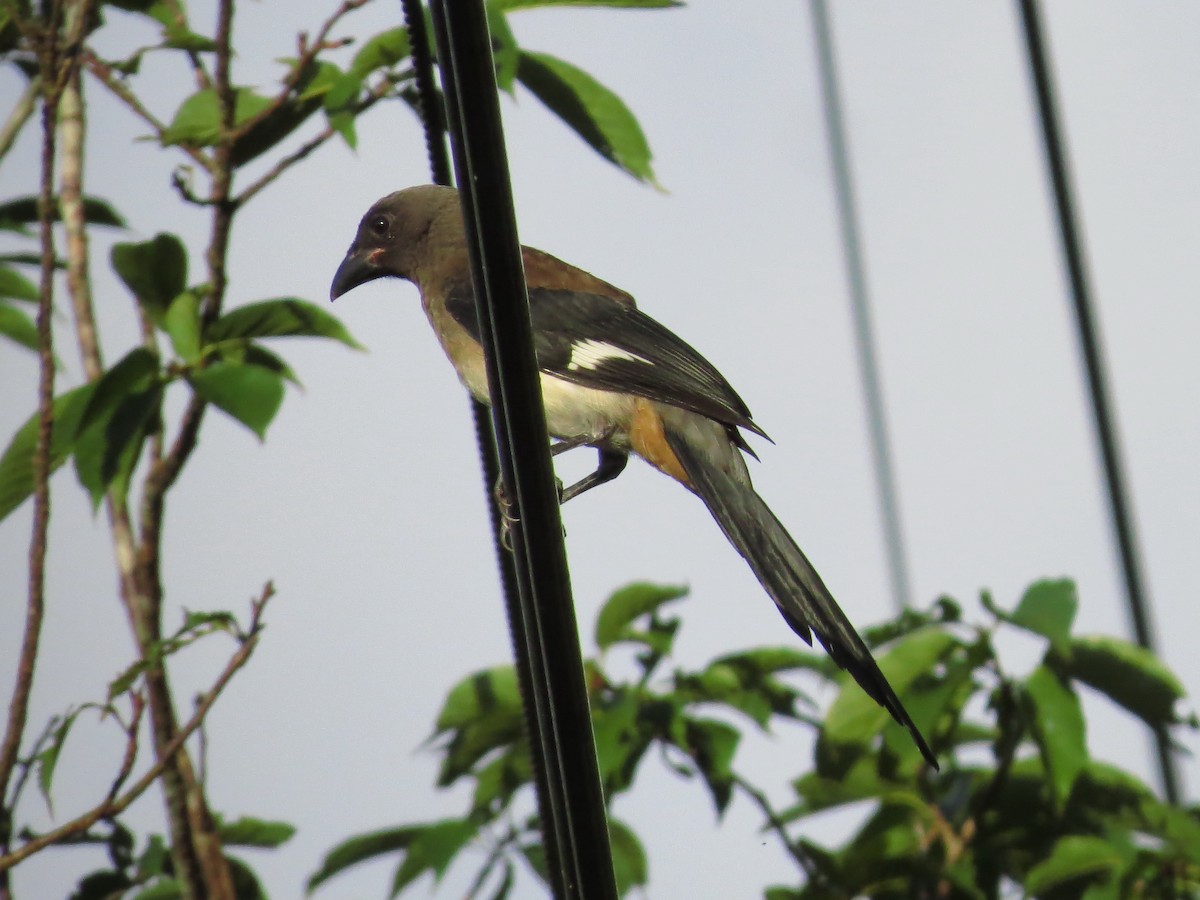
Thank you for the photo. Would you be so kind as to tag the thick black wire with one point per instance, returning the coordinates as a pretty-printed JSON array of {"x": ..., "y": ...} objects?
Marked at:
[
  {"x": 881, "y": 455},
  {"x": 551, "y": 638},
  {"x": 1089, "y": 343},
  {"x": 433, "y": 117}
]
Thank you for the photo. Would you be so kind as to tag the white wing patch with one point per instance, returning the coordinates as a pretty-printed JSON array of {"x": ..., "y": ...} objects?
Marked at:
[{"x": 591, "y": 354}]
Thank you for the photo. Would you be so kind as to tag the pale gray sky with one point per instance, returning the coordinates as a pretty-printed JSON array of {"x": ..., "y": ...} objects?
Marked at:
[{"x": 365, "y": 506}]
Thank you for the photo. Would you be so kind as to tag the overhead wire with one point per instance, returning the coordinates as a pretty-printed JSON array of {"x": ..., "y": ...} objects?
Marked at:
[
  {"x": 1088, "y": 332},
  {"x": 433, "y": 119},
  {"x": 860, "y": 307},
  {"x": 577, "y": 840}
]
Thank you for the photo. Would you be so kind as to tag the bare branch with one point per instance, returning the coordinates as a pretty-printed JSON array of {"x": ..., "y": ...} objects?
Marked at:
[
  {"x": 377, "y": 93},
  {"x": 35, "y": 605},
  {"x": 307, "y": 52},
  {"x": 105, "y": 74},
  {"x": 20, "y": 114},
  {"x": 776, "y": 824},
  {"x": 71, "y": 136},
  {"x": 115, "y": 806}
]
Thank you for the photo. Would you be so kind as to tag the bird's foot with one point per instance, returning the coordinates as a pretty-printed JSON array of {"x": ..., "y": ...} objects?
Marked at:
[{"x": 504, "y": 507}]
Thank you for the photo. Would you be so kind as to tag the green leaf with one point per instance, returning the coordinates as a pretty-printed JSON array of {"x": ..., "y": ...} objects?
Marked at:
[
  {"x": 505, "y": 52},
  {"x": 432, "y": 851},
  {"x": 484, "y": 712},
  {"x": 47, "y": 760},
  {"x": 168, "y": 889},
  {"x": 101, "y": 886},
  {"x": 241, "y": 350},
  {"x": 1129, "y": 675},
  {"x": 123, "y": 409},
  {"x": 107, "y": 451},
  {"x": 816, "y": 793},
  {"x": 251, "y": 832},
  {"x": 480, "y": 694},
  {"x": 17, "y": 326},
  {"x": 16, "y": 286},
  {"x": 1073, "y": 856},
  {"x": 854, "y": 718},
  {"x": 16, "y": 465},
  {"x": 894, "y": 831},
  {"x": 629, "y": 603},
  {"x": 361, "y": 848},
  {"x": 182, "y": 325},
  {"x": 1059, "y": 730},
  {"x": 620, "y": 743},
  {"x": 769, "y": 660},
  {"x": 154, "y": 859},
  {"x": 594, "y": 112},
  {"x": 246, "y": 885},
  {"x": 1048, "y": 608},
  {"x": 135, "y": 371},
  {"x": 281, "y": 317},
  {"x": 181, "y": 39},
  {"x": 197, "y": 122},
  {"x": 499, "y": 779},
  {"x": 628, "y": 856},
  {"x": 712, "y": 745},
  {"x": 155, "y": 271},
  {"x": 535, "y": 855},
  {"x": 383, "y": 50},
  {"x": 24, "y": 211},
  {"x": 250, "y": 394}
]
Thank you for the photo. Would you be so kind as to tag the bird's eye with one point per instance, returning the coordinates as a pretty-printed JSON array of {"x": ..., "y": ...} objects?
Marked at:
[{"x": 379, "y": 226}]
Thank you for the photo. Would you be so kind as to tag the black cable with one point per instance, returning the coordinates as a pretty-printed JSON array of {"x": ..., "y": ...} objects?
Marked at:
[
  {"x": 575, "y": 797},
  {"x": 1089, "y": 343},
  {"x": 433, "y": 118},
  {"x": 881, "y": 454}
]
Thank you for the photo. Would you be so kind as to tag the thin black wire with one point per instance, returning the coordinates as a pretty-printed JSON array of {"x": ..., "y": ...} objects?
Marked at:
[
  {"x": 433, "y": 118},
  {"x": 548, "y": 626},
  {"x": 864, "y": 333},
  {"x": 1089, "y": 343}
]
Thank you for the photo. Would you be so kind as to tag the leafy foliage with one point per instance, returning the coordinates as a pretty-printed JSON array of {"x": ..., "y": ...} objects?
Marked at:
[{"x": 1019, "y": 800}]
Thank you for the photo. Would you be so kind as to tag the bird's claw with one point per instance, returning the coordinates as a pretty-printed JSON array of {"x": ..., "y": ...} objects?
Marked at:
[
  {"x": 504, "y": 506},
  {"x": 507, "y": 520}
]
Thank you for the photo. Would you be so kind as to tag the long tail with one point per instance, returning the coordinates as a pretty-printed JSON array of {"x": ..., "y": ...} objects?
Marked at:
[{"x": 789, "y": 577}]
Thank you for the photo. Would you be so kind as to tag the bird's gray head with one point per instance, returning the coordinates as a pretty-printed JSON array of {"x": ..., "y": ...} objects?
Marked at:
[{"x": 398, "y": 234}]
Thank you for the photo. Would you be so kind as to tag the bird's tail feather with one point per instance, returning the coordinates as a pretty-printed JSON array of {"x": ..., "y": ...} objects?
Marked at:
[{"x": 788, "y": 577}]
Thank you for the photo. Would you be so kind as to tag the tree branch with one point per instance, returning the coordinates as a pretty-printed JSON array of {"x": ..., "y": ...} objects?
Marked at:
[
  {"x": 776, "y": 824},
  {"x": 377, "y": 93},
  {"x": 21, "y": 112},
  {"x": 306, "y": 54},
  {"x": 18, "y": 712},
  {"x": 105, "y": 74},
  {"x": 114, "y": 805}
]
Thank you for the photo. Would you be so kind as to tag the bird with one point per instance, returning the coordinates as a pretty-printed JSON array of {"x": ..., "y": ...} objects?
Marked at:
[{"x": 614, "y": 379}]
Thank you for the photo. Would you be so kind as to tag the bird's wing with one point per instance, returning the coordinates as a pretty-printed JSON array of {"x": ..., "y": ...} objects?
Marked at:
[{"x": 606, "y": 343}]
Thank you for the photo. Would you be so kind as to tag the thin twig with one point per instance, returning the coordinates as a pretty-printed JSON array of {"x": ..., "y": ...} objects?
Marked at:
[
  {"x": 776, "y": 824},
  {"x": 203, "y": 82},
  {"x": 70, "y": 201},
  {"x": 18, "y": 711},
  {"x": 306, "y": 53},
  {"x": 115, "y": 806},
  {"x": 377, "y": 93},
  {"x": 105, "y": 74},
  {"x": 131, "y": 744},
  {"x": 21, "y": 112}
]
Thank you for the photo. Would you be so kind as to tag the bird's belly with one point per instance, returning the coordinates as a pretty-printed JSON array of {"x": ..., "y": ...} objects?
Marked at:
[{"x": 574, "y": 411}]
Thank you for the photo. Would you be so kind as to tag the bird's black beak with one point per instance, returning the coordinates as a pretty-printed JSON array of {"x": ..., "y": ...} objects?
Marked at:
[{"x": 357, "y": 268}]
